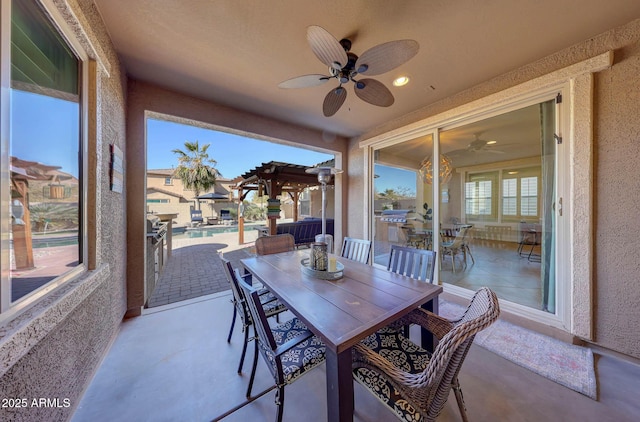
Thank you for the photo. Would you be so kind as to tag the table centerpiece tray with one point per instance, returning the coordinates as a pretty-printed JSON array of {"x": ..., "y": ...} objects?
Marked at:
[{"x": 324, "y": 275}]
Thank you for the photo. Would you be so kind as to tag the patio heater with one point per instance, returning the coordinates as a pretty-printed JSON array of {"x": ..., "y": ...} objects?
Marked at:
[{"x": 324, "y": 177}]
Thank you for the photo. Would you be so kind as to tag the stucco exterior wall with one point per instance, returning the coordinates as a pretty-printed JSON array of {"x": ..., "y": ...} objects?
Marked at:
[
  {"x": 52, "y": 348},
  {"x": 357, "y": 191},
  {"x": 617, "y": 202},
  {"x": 617, "y": 151}
]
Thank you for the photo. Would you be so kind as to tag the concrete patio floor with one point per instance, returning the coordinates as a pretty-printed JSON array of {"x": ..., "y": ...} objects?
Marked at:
[{"x": 173, "y": 363}]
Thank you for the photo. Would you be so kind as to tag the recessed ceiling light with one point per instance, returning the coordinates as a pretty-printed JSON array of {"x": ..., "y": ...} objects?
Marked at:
[{"x": 401, "y": 81}]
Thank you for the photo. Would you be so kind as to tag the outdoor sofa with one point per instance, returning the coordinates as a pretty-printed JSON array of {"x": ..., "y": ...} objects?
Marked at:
[{"x": 304, "y": 231}]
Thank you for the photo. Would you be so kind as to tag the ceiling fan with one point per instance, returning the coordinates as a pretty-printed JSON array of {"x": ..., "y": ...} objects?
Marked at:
[
  {"x": 345, "y": 66},
  {"x": 479, "y": 145}
]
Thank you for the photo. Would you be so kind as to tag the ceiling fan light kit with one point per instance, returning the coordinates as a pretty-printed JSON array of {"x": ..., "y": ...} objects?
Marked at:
[{"x": 345, "y": 66}]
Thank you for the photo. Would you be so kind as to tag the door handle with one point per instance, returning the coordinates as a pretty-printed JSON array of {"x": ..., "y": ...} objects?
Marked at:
[{"x": 560, "y": 207}]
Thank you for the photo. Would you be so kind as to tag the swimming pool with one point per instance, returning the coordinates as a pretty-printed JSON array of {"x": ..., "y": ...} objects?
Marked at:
[{"x": 208, "y": 231}]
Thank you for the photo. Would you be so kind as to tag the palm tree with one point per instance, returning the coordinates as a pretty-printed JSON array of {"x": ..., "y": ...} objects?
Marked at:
[{"x": 196, "y": 170}]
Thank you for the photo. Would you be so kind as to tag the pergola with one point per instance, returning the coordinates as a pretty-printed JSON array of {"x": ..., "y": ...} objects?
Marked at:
[
  {"x": 274, "y": 179},
  {"x": 23, "y": 171}
]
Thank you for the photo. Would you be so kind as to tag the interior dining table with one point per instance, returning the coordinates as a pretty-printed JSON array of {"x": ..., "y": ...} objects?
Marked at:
[{"x": 341, "y": 312}]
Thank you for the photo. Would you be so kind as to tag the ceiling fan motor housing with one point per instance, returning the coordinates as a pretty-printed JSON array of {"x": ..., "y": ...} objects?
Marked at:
[{"x": 347, "y": 72}]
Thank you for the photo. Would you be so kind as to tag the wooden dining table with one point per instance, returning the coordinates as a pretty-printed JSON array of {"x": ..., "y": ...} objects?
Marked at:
[{"x": 341, "y": 312}]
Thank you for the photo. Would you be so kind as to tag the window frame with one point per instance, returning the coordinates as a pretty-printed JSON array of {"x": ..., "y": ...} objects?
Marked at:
[
  {"x": 528, "y": 167},
  {"x": 494, "y": 198},
  {"x": 523, "y": 173},
  {"x": 8, "y": 308}
]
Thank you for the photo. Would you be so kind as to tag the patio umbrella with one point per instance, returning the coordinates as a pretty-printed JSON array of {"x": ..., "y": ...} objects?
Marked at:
[{"x": 212, "y": 196}]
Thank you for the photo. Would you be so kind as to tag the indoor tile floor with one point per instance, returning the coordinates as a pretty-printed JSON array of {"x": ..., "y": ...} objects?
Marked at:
[
  {"x": 497, "y": 265},
  {"x": 173, "y": 364}
]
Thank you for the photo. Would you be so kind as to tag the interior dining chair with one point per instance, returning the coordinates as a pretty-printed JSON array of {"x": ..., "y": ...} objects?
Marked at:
[
  {"x": 466, "y": 241},
  {"x": 356, "y": 249},
  {"x": 412, "y": 239},
  {"x": 529, "y": 235},
  {"x": 414, "y": 263},
  {"x": 267, "y": 245},
  {"x": 289, "y": 349},
  {"x": 410, "y": 381},
  {"x": 456, "y": 246},
  {"x": 270, "y": 304}
]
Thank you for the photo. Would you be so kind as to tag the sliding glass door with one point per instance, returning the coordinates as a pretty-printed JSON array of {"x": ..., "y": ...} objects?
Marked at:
[
  {"x": 493, "y": 192},
  {"x": 502, "y": 193},
  {"x": 401, "y": 205}
]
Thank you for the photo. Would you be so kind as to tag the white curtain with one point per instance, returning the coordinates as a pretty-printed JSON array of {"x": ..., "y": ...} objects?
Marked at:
[{"x": 548, "y": 243}]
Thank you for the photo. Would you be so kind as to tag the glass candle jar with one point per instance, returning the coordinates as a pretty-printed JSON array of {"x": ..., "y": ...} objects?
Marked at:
[{"x": 319, "y": 257}]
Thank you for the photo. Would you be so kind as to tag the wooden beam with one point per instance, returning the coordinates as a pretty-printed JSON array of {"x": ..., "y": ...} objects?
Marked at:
[
  {"x": 241, "y": 217},
  {"x": 22, "y": 240},
  {"x": 296, "y": 197},
  {"x": 274, "y": 191}
]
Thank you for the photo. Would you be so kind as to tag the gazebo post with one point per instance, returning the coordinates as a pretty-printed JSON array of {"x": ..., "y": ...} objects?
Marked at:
[
  {"x": 240, "y": 218},
  {"x": 274, "y": 190},
  {"x": 22, "y": 241},
  {"x": 296, "y": 198}
]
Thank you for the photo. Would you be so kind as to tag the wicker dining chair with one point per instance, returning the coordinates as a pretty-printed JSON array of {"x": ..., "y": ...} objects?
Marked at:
[
  {"x": 267, "y": 245},
  {"x": 412, "y": 262},
  {"x": 410, "y": 381},
  {"x": 271, "y": 305},
  {"x": 356, "y": 249},
  {"x": 290, "y": 350}
]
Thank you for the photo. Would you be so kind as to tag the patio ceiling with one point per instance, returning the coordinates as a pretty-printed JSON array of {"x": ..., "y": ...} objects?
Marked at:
[{"x": 236, "y": 52}]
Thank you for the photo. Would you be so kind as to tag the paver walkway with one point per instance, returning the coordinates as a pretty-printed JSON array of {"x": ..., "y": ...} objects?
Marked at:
[{"x": 195, "y": 268}]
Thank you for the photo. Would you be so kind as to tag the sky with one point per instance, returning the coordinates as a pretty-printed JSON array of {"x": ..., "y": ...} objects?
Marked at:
[
  {"x": 234, "y": 154},
  {"x": 45, "y": 129},
  {"x": 392, "y": 178}
]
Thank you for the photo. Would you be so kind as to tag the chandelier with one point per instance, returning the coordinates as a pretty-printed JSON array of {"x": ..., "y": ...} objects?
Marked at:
[{"x": 426, "y": 170}]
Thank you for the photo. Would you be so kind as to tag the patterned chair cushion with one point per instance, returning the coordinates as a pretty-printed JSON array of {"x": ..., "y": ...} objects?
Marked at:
[
  {"x": 402, "y": 353},
  {"x": 270, "y": 303},
  {"x": 303, "y": 357}
]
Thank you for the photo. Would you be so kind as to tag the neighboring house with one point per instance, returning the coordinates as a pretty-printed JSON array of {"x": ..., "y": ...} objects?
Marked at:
[{"x": 167, "y": 195}]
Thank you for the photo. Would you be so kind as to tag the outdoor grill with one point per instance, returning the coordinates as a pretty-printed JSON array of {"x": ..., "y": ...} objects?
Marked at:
[
  {"x": 156, "y": 230},
  {"x": 388, "y": 224},
  {"x": 394, "y": 216}
]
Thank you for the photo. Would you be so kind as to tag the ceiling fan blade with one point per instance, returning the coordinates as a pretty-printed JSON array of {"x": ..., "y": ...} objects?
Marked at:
[
  {"x": 373, "y": 92},
  {"x": 304, "y": 81},
  {"x": 333, "y": 101},
  {"x": 457, "y": 152},
  {"x": 385, "y": 57},
  {"x": 326, "y": 48}
]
